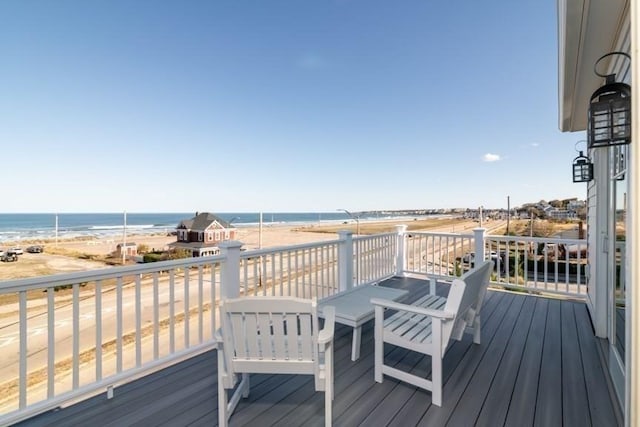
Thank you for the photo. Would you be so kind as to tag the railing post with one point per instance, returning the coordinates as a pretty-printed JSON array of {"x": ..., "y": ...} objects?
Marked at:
[
  {"x": 401, "y": 265},
  {"x": 345, "y": 260},
  {"x": 230, "y": 269},
  {"x": 478, "y": 240}
]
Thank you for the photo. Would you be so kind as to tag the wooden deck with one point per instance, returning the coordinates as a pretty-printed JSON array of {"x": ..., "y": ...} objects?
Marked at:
[{"x": 538, "y": 364}]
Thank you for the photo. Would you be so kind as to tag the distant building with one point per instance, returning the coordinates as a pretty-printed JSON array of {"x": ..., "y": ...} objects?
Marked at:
[
  {"x": 562, "y": 214},
  {"x": 575, "y": 205},
  {"x": 130, "y": 249},
  {"x": 201, "y": 234}
]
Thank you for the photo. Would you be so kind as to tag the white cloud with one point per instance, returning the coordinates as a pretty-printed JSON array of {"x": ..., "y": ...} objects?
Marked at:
[
  {"x": 491, "y": 157},
  {"x": 535, "y": 144}
]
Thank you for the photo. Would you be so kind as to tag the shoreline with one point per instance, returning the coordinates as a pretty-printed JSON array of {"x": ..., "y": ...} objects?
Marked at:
[{"x": 89, "y": 253}]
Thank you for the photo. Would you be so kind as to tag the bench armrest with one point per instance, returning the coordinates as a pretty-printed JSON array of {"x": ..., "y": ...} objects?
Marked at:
[
  {"x": 326, "y": 334},
  {"x": 440, "y": 314}
]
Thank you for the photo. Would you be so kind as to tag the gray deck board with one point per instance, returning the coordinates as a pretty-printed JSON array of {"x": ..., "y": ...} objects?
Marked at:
[
  {"x": 521, "y": 410},
  {"x": 600, "y": 408},
  {"x": 573, "y": 412},
  {"x": 538, "y": 364},
  {"x": 472, "y": 400},
  {"x": 549, "y": 398},
  {"x": 495, "y": 407}
]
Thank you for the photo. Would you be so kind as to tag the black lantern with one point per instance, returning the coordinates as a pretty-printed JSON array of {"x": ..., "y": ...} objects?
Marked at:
[
  {"x": 610, "y": 112},
  {"x": 582, "y": 169}
]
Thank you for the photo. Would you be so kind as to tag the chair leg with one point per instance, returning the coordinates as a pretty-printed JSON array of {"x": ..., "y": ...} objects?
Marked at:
[
  {"x": 378, "y": 355},
  {"x": 436, "y": 380},
  {"x": 223, "y": 414},
  {"x": 328, "y": 413},
  {"x": 245, "y": 381},
  {"x": 476, "y": 330}
]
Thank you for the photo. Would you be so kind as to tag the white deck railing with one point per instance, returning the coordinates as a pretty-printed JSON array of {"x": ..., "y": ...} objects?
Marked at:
[
  {"x": 69, "y": 335},
  {"x": 547, "y": 265},
  {"x": 112, "y": 325},
  {"x": 304, "y": 271},
  {"x": 436, "y": 254}
]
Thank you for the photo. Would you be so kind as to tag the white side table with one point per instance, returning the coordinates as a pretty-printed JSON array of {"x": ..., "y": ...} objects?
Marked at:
[{"x": 354, "y": 308}]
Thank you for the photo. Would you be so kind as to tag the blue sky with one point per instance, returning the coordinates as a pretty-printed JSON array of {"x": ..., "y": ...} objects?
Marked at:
[{"x": 227, "y": 106}]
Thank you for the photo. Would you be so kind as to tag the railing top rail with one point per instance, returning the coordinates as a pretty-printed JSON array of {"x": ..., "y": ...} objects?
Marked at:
[
  {"x": 536, "y": 239},
  {"x": 290, "y": 248},
  {"x": 443, "y": 234},
  {"x": 370, "y": 236},
  {"x": 102, "y": 274}
]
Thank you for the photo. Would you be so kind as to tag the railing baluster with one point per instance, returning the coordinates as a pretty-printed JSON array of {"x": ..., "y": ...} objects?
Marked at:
[
  {"x": 200, "y": 305},
  {"x": 186, "y": 305},
  {"x": 22, "y": 302},
  {"x": 156, "y": 317},
  {"x": 172, "y": 311},
  {"x": 98, "y": 316},
  {"x": 212, "y": 300},
  {"x": 119, "y": 325},
  {"x": 76, "y": 336},
  {"x": 138, "y": 302},
  {"x": 51, "y": 344}
]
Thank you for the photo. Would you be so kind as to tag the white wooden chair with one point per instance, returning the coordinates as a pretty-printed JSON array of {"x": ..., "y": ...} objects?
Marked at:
[
  {"x": 272, "y": 335},
  {"x": 426, "y": 326}
]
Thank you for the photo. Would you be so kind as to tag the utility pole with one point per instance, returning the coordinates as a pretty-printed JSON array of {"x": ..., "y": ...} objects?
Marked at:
[
  {"x": 508, "y": 213},
  {"x": 530, "y": 222},
  {"x": 124, "y": 239},
  {"x": 260, "y": 233}
]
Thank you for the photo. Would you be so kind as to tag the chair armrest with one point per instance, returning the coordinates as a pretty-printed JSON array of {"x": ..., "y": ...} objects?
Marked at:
[
  {"x": 218, "y": 337},
  {"x": 440, "y": 314},
  {"x": 326, "y": 334}
]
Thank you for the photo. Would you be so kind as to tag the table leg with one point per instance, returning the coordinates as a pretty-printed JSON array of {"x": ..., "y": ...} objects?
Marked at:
[{"x": 355, "y": 343}]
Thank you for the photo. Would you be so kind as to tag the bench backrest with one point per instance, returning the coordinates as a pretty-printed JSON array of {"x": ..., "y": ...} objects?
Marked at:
[
  {"x": 465, "y": 299},
  {"x": 270, "y": 335}
]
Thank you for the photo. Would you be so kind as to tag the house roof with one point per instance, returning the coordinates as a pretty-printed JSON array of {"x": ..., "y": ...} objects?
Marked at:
[
  {"x": 202, "y": 221},
  {"x": 586, "y": 31},
  {"x": 185, "y": 223}
]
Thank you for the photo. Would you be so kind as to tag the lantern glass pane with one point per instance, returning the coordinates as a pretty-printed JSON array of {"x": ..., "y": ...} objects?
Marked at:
[{"x": 610, "y": 122}]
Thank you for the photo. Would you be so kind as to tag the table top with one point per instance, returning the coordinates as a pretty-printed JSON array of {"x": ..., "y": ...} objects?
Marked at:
[{"x": 354, "y": 306}]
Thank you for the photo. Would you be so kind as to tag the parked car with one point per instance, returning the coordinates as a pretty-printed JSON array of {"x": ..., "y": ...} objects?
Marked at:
[
  {"x": 35, "y": 249},
  {"x": 16, "y": 250},
  {"x": 470, "y": 257},
  {"x": 1, "y": 252},
  {"x": 9, "y": 256}
]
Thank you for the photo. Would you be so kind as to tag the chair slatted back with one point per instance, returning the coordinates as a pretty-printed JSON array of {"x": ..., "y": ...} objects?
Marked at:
[{"x": 264, "y": 334}]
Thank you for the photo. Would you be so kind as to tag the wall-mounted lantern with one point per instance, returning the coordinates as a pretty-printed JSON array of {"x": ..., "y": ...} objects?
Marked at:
[
  {"x": 582, "y": 169},
  {"x": 610, "y": 111}
]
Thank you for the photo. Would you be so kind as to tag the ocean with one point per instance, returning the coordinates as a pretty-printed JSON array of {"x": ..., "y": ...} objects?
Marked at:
[{"x": 40, "y": 226}]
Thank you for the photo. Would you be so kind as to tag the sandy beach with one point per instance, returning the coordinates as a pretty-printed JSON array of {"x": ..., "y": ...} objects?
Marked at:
[{"x": 67, "y": 256}]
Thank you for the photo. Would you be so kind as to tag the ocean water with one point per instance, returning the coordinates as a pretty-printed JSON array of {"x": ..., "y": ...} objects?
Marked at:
[{"x": 37, "y": 226}]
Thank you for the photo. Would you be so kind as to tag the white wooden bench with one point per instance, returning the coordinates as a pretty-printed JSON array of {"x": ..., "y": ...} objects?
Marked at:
[{"x": 427, "y": 325}]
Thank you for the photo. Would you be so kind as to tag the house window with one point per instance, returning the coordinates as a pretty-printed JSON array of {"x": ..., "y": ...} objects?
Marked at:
[
  {"x": 226, "y": 235},
  {"x": 217, "y": 236},
  {"x": 200, "y": 237},
  {"x": 209, "y": 236}
]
